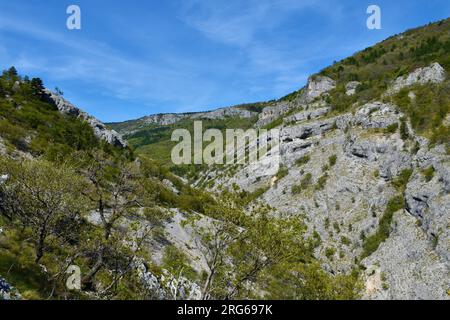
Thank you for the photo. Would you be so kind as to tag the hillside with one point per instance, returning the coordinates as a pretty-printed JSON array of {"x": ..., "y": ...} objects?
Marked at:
[
  {"x": 74, "y": 196},
  {"x": 365, "y": 164},
  {"x": 359, "y": 208}
]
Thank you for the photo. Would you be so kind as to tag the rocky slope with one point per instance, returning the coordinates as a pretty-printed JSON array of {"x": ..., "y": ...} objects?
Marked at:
[
  {"x": 352, "y": 163},
  {"x": 166, "y": 119},
  {"x": 363, "y": 166},
  {"x": 100, "y": 130}
]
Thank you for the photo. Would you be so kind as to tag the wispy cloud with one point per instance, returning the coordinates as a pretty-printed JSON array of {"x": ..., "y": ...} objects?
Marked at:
[{"x": 100, "y": 65}]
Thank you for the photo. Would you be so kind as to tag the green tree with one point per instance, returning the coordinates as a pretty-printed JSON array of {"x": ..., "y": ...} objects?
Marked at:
[{"x": 43, "y": 197}]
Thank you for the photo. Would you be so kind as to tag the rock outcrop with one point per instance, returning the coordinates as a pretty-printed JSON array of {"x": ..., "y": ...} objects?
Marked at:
[
  {"x": 431, "y": 74},
  {"x": 171, "y": 118},
  {"x": 344, "y": 199},
  {"x": 272, "y": 112},
  {"x": 318, "y": 85},
  {"x": 351, "y": 87},
  {"x": 100, "y": 129}
]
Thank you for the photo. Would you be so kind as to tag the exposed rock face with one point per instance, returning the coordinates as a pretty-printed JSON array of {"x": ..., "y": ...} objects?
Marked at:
[
  {"x": 376, "y": 115},
  {"x": 272, "y": 112},
  {"x": 432, "y": 74},
  {"x": 351, "y": 87},
  {"x": 318, "y": 85},
  {"x": 166, "y": 287},
  {"x": 344, "y": 201},
  {"x": 429, "y": 201},
  {"x": 171, "y": 118},
  {"x": 100, "y": 130},
  {"x": 404, "y": 265},
  {"x": 307, "y": 115}
]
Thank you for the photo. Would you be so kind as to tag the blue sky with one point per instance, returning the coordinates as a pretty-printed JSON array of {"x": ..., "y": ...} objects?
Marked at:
[{"x": 134, "y": 58}]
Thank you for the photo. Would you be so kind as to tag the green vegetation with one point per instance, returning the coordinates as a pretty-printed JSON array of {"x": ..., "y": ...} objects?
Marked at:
[
  {"x": 303, "y": 160},
  {"x": 402, "y": 179},
  {"x": 332, "y": 160},
  {"x": 276, "y": 123},
  {"x": 282, "y": 172},
  {"x": 391, "y": 128},
  {"x": 428, "y": 173},
  {"x": 321, "y": 182},
  {"x": 330, "y": 252},
  {"x": 426, "y": 111},
  {"x": 372, "y": 243},
  {"x": 345, "y": 241},
  {"x": 304, "y": 183},
  {"x": 29, "y": 123},
  {"x": 177, "y": 263},
  {"x": 377, "y": 66}
]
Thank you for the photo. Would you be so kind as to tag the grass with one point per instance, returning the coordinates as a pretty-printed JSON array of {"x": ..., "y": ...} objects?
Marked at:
[
  {"x": 303, "y": 160},
  {"x": 321, "y": 182},
  {"x": 17, "y": 266},
  {"x": 428, "y": 173},
  {"x": 304, "y": 183},
  {"x": 332, "y": 160},
  {"x": 372, "y": 242},
  {"x": 282, "y": 172}
]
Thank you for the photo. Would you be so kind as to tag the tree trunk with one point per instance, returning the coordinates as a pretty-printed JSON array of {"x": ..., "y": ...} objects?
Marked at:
[
  {"x": 41, "y": 244},
  {"x": 95, "y": 268},
  {"x": 205, "y": 291}
]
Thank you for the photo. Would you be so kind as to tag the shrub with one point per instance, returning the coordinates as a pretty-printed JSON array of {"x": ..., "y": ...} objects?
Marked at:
[
  {"x": 402, "y": 179},
  {"x": 282, "y": 172},
  {"x": 332, "y": 160},
  {"x": 391, "y": 128},
  {"x": 303, "y": 160},
  {"x": 321, "y": 182},
  {"x": 330, "y": 252},
  {"x": 428, "y": 173},
  {"x": 304, "y": 183},
  {"x": 372, "y": 243},
  {"x": 345, "y": 241}
]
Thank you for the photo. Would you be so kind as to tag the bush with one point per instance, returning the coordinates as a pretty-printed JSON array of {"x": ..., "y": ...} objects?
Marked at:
[
  {"x": 391, "y": 128},
  {"x": 345, "y": 241},
  {"x": 330, "y": 252},
  {"x": 303, "y": 160},
  {"x": 402, "y": 179},
  {"x": 332, "y": 160},
  {"x": 372, "y": 243},
  {"x": 428, "y": 173},
  {"x": 321, "y": 182},
  {"x": 282, "y": 172},
  {"x": 304, "y": 183}
]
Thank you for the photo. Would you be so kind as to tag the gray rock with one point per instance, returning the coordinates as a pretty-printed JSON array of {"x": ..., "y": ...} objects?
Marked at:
[
  {"x": 431, "y": 74},
  {"x": 307, "y": 115},
  {"x": 351, "y": 87},
  {"x": 172, "y": 118},
  {"x": 100, "y": 130},
  {"x": 318, "y": 85},
  {"x": 376, "y": 115},
  {"x": 405, "y": 267},
  {"x": 272, "y": 113}
]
